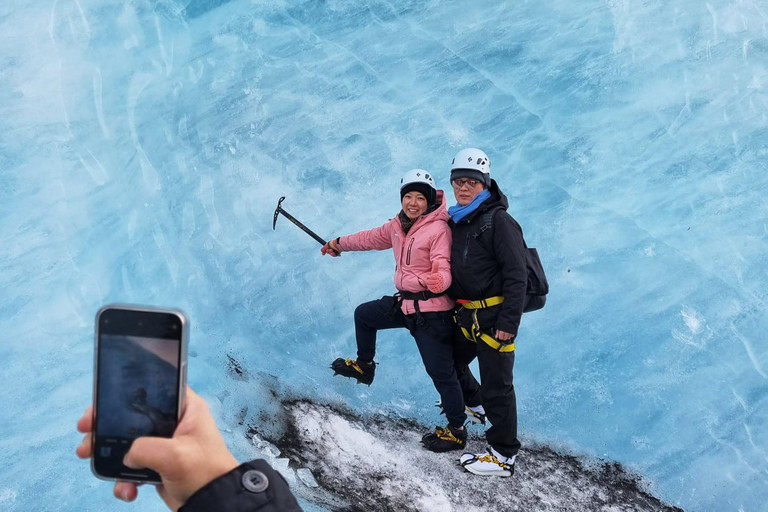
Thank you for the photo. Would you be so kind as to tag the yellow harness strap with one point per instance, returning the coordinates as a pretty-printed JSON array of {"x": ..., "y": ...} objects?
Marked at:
[
  {"x": 476, "y": 333},
  {"x": 482, "y": 303}
]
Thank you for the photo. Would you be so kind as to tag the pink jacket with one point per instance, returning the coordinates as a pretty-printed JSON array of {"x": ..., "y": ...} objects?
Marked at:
[{"x": 428, "y": 240}]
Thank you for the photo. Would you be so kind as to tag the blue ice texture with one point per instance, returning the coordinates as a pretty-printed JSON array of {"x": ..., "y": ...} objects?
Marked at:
[{"x": 144, "y": 145}]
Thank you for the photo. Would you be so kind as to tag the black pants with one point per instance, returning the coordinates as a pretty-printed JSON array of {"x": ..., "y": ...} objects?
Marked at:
[
  {"x": 495, "y": 392},
  {"x": 434, "y": 343}
]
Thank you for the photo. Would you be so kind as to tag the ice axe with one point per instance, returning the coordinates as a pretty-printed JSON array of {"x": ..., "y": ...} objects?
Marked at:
[{"x": 291, "y": 218}]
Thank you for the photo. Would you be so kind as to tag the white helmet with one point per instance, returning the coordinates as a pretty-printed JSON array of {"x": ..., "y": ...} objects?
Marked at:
[
  {"x": 472, "y": 163},
  {"x": 420, "y": 181}
]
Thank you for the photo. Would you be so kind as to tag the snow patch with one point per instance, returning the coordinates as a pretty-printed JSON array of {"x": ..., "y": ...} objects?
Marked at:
[{"x": 376, "y": 462}]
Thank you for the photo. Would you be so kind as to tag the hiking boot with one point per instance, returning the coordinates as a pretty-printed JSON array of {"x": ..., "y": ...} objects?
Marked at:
[
  {"x": 474, "y": 414},
  {"x": 362, "y": 372},
  {"x": 445, "y": 439},
  {"x": 491, "y": 463}
]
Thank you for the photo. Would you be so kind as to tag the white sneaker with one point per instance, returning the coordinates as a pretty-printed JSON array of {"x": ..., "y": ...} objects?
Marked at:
[
  {"x": 475, "y": 414},
  {"x": 491, "y": 463}
]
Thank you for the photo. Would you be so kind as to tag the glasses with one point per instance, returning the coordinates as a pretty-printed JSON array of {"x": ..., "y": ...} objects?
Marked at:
[{"x": 460, "y": 182}]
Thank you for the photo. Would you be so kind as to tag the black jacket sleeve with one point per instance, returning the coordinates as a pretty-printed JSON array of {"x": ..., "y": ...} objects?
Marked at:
[
  {"x": 253, "y": 486},
  {"x": 509, "y": 247}
]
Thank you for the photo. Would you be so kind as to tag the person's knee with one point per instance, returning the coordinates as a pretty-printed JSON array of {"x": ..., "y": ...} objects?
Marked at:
[
  {"x": 501, "y": 395},
  {"x": 362, "y": 312},
  {"x": 442, "y": 377},
  {"x": 461, "y": 370}
]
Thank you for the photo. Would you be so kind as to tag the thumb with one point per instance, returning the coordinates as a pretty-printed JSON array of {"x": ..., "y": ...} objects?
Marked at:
[
  {"x": 435, "y": 267},
  {"x": 155, "y": 453}
]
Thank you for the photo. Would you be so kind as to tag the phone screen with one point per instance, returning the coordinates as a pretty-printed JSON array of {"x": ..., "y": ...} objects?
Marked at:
[{"x": 138, "y": 384}]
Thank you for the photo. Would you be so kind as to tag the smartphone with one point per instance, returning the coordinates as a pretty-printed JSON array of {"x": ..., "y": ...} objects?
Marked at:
[{"x": 139, "y": 383}]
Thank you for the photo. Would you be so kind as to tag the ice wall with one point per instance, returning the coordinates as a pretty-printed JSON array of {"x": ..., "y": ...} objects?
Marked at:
[{"x": 144, "y": 145}]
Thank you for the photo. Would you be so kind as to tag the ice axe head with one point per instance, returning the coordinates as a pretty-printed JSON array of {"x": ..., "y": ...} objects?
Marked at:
[{"x": 277, "y": 212}]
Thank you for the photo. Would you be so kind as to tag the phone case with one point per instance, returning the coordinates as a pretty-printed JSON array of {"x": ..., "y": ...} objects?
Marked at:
[{"x": 182, "y": 384}]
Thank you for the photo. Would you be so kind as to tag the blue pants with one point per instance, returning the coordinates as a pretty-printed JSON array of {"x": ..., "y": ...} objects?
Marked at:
[{"x": 434, "y": 343}]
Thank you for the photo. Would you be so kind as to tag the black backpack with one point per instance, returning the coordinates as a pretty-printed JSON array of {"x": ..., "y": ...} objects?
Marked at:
[{"x": 538, "y": 287}]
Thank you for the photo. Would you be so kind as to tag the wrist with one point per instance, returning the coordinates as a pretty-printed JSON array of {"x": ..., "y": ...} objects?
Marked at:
[
  {"x": 215, "y": 470},
  {"x": 223, "y": 466},
  {"x": 236, "y": 490}
]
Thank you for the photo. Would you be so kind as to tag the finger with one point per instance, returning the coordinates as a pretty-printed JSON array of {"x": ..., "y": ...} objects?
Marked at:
[
  {"x": 191, "y": 393},
  {"x": 126, "y": 491},
  {"x": 85, "y": 448},
  {"x": 155, "y": 453},
  {"x": 435, "y": 267},
  {"x": 194, "y": 407},
  {"x": 85, "y": 423}
]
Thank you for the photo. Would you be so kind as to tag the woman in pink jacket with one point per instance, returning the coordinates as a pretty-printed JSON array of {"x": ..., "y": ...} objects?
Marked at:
[{"x": 421, "y": 240}]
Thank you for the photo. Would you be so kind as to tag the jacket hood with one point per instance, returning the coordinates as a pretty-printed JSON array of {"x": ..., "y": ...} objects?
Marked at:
[
  {"x": 441, "y": 210},
  {"x": 497, "y": 199}
]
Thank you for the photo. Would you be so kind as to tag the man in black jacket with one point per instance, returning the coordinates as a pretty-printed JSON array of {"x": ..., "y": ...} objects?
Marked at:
[
  {"x": 198, "y": 471},
  {"x": 488, "y": 266}
]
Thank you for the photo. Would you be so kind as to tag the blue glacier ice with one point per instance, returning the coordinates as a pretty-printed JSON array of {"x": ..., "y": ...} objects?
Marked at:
[{"x": 144, "y": 145}]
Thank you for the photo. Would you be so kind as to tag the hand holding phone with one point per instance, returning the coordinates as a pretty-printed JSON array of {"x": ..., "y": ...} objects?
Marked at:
[
  {"x": 146, "y": 425},
  {"x": 195, "y": 456},
  {"x": 139, "y": 384}
]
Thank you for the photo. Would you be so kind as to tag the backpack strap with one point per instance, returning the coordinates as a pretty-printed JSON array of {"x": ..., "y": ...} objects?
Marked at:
[
  {"x": 488, "y": 218},
  {"x": 537, "y": 287}
]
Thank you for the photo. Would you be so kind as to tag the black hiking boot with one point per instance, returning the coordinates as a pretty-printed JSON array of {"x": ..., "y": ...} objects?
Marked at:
[
  {"x": 362, "y": 372},
  {"x": 445, "y": 439}
]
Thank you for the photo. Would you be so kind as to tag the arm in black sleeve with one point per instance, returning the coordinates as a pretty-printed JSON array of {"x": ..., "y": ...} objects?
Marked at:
[
  {"x": 253, "y": 486},
  {"x": 510, "y": 253}
]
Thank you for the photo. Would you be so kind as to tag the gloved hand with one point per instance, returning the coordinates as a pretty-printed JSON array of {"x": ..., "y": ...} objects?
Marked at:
[
  {"x": 504, "y": 337},
  {"x": 435, "y": 280},
  {"x": 331, "y": 247}
]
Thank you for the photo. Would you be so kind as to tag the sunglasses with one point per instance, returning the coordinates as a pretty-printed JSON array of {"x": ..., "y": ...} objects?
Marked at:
[{"x": 460, "y": 182}]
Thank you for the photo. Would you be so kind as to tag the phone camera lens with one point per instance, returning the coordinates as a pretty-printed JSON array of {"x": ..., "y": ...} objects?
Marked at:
[{"x": 141, "y": 324}]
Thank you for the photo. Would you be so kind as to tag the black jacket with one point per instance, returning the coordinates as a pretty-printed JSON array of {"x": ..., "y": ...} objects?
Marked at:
[
  {"x": 488, "y": 260},
  {"x": 253, "y": 486}
]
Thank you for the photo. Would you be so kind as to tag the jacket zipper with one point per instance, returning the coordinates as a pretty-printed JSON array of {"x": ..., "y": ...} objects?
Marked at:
[
  {"x": 466, "y": 250},
  {"x": 408, "y": 257}
]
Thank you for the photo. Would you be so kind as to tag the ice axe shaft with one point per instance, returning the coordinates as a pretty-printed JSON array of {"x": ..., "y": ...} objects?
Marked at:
[{"x": 291, "y": 218}]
